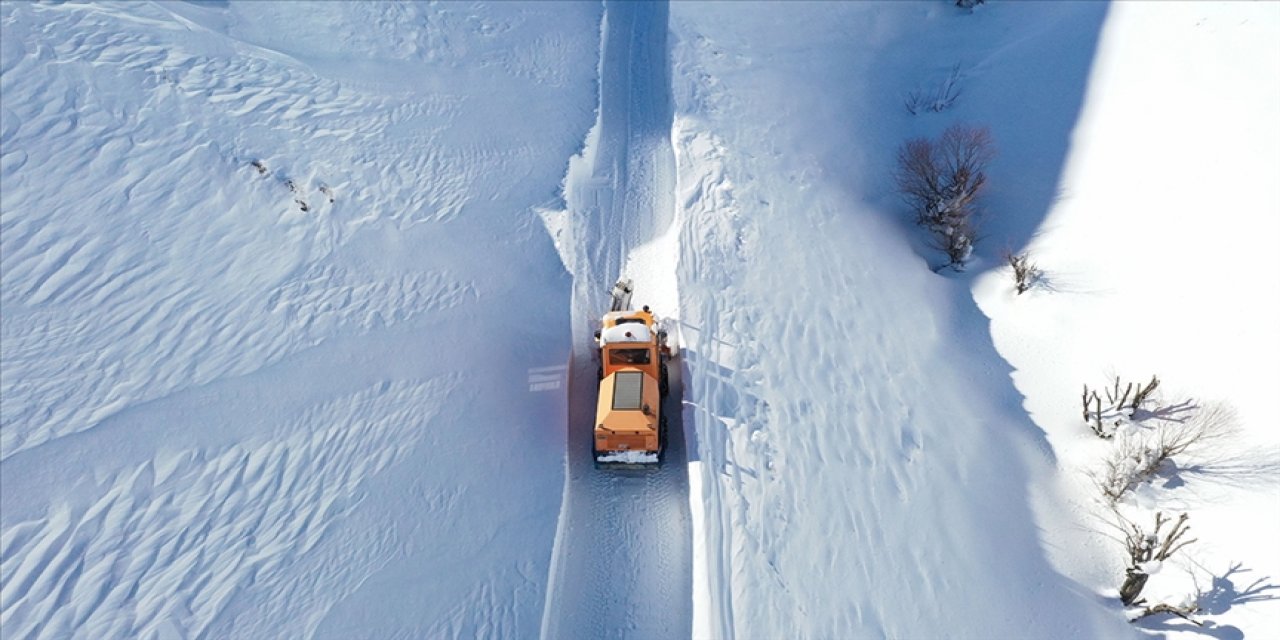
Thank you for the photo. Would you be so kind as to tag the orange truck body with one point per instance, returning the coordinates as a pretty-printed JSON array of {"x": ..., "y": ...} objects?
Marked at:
[{"x": 630, "y": 429}]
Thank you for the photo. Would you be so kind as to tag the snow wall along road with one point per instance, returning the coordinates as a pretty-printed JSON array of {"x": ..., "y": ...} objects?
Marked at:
[{"x": 622, "y": 560}]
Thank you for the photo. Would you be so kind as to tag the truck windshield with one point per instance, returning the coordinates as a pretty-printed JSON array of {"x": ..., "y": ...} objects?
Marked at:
[{"x": 628, "y": 356}]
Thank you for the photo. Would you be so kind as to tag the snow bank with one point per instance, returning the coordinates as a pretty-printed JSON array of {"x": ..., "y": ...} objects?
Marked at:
[
  {"x": 865, "y": 452},
  {"x": 1152, "y": 258},
  {"x": 865, "y": 466}
]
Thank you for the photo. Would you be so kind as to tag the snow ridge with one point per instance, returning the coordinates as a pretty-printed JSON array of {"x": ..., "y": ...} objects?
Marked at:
[
  {"x": 259, "y": 264},
  {"x": 145, "y": 539},
  {"x": 98, "y": 288}
]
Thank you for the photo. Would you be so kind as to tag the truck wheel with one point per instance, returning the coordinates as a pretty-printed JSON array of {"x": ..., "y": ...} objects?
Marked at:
[{"x": 663, "y": 386}]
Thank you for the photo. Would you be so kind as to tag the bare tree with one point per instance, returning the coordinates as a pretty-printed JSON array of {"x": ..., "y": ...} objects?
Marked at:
[{"x": 941, "y": 181}]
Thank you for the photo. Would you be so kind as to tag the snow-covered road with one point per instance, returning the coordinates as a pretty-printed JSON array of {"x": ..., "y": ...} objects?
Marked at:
[{"x": 622, "y": 560}]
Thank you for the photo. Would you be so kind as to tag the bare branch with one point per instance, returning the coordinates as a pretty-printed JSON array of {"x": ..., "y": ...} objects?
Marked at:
[
  {"x": 1185, "y": 612},
  {"x": 1144, "y": 393}
]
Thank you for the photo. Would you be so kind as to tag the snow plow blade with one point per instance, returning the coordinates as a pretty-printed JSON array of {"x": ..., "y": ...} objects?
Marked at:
[{"x": 613, "y": 462}]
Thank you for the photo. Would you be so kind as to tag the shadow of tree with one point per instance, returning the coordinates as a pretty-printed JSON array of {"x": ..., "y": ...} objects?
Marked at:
[
  {"x": 1178, "y": 412},
  {"x": 1253, "y": 469},
  {"x": 1222, "y": 595}
]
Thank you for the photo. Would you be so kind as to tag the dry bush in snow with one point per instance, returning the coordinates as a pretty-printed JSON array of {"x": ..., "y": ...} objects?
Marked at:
[
  {"x": 1140, "y": 454},
  {"x": 1146, "y": 552},
  {"x": 1131, "y": 463},
  {"x": 938, "y": 100},
  {"x": 1114, "y": 413},
  {"x": 1025, "y": 272},
  {"x": 941, "y": 181}
]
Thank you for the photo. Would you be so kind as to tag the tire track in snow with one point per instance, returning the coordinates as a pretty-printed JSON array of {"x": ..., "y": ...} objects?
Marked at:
[{"x": 622, "y": 560}]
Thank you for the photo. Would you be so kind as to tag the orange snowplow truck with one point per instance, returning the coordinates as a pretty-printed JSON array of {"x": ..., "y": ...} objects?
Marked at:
[{"x": 631, "y": 430}]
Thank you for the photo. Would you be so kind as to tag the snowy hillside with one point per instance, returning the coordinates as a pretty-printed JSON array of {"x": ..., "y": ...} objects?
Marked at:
[
  {"x": 876, "y": 456},
  {"x": 297, "y": 302},
  {"x": 226, "y": 416}
]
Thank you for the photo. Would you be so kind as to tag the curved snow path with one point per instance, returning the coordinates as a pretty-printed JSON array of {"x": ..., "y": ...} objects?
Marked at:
[{"x": 622, "y": 560}]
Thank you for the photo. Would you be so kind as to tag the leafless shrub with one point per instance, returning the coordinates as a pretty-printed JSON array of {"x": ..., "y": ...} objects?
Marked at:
[
  {"x": 1103, "y": 422},
  {"x": 1146, "y": 550},
  {"x": 1120, "y": 406},
  {"x": 1131, "y": 463},
  {"x": 938, "y": 100},
  {"x": 1138, "y": 392},
  {"x": 1138, "y": 456},
  {"x": 1025, "y": 272},
  {"x": 941, "y": 181}
]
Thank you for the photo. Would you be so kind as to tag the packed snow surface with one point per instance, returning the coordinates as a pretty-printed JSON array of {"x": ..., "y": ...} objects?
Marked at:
[
  {"x": 622, "y": 563},
  {"x": 298, "y": 303}
]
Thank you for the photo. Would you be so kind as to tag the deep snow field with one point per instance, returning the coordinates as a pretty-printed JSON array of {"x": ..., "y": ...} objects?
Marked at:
[{"x": 296, "y": 297}]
